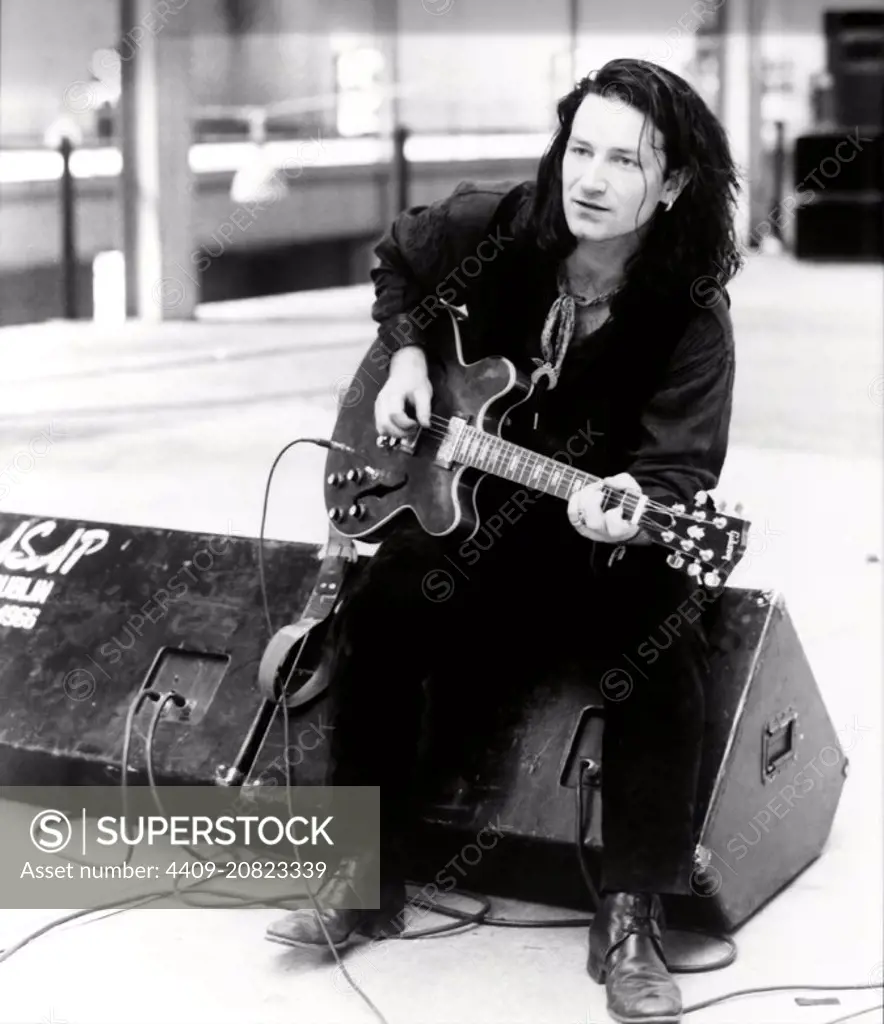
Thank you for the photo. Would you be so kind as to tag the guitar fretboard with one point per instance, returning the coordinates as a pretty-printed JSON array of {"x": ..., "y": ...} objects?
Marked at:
[{"x": 501, "y": 458}]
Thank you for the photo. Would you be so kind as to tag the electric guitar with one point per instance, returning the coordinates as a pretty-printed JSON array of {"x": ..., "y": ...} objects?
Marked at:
[{"x": 435, "y": 472}]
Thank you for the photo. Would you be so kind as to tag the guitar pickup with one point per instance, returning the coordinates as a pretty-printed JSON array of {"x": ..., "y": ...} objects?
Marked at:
[
  {"x": 409, "y": 442},
  {"x": 449, "y": 443}
]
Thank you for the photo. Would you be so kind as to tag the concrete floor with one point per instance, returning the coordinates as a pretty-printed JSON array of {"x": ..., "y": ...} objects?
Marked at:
[{"x": 177, "y": 426}]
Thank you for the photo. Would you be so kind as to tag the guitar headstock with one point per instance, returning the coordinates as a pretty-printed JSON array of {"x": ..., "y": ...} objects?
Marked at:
[{"x": 705, "y": 542}]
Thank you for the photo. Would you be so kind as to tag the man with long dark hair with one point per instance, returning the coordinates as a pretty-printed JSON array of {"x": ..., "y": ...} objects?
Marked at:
[{"x": 605, "y": 280}]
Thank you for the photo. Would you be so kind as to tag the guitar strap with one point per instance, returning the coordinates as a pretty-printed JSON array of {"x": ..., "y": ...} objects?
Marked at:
[{"x": 339, "y": 560}]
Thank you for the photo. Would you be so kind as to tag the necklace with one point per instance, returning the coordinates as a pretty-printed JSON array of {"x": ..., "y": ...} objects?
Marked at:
[{"x": 559, "y": 330}]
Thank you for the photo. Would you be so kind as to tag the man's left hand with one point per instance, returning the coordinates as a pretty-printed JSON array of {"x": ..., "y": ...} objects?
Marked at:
[{"x": 588, "y": 519}]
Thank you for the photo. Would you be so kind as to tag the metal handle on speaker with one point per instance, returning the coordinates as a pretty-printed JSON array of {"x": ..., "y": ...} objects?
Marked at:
[{"x": 779, "y": 742}]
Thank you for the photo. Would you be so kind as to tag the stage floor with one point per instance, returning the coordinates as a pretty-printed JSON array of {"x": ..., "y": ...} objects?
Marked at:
[{"x": 176, "y": 425}]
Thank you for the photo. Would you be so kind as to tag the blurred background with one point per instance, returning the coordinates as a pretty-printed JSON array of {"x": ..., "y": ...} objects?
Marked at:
[{"x": 137, "y": 136}]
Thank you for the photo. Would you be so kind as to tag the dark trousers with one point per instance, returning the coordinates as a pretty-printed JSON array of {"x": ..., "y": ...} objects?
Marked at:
[{"x": 422, "y": 606}]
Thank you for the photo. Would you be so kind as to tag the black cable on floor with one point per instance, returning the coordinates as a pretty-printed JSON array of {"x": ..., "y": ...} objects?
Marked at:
[
  {"x": 856, "y": 1013},
  {"x": 764, "y": 989}
]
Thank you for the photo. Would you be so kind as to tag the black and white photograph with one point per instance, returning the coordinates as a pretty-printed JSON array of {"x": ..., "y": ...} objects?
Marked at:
[{"x": 441, "y": 511}]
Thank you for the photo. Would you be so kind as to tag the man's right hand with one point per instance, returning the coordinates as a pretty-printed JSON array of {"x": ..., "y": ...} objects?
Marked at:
[{"x": 408, "y": 386}]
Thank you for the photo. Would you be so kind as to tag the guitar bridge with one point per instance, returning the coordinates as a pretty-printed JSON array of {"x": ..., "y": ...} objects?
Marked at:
[{"x": 445, "y": 456}]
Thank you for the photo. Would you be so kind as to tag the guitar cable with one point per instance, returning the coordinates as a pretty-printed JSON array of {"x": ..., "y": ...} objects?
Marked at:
[
  {"x": 463, "y": 921},
  {"x": 320, "y": 442}
]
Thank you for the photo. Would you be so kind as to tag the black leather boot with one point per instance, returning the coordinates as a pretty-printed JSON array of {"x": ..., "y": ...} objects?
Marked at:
[
  {"x": 626, "y": 952},
  {"x": 302, "y": 928}
]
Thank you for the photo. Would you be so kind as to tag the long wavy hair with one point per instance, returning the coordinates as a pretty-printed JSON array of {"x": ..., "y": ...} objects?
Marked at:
[{"x": 692, "y": 246}]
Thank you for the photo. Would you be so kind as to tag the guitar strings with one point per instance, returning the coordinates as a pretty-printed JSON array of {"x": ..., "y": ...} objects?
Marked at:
[
  {"x": 629, "y": 500},
  {"x": 439, "y": 429}
]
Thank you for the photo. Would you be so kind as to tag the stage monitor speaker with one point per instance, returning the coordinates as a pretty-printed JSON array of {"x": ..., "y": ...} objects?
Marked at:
[
  {"x": 840, "y": 228},
  {"x": 91, "y": 613},
  {"x": 771, "y": 776},
  {"x": 840, "y": 163}
]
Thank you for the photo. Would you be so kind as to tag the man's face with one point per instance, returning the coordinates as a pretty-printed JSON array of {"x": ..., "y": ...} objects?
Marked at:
[{"x": 611, "y": 163}]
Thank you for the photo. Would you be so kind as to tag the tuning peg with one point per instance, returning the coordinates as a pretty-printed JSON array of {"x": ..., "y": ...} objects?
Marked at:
[
  {"x": 738, "y": 508},
  {"x": 701, "y": 497},
  {"x": 712, "y": 579},
  {"x": 675, "y": 560},
  {"x": 694, "y": 569}
]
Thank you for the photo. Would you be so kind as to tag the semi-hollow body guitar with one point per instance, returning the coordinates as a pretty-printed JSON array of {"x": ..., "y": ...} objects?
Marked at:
[{"x": 436, "y": 472}]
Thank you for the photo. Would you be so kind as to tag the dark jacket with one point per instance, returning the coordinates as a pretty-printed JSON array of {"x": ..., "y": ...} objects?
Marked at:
[{"x": 651, "y": 390}]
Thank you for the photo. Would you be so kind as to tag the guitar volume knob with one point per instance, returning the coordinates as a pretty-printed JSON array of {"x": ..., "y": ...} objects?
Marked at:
[
  {"x": 336, "y": 514},
  {"x": 355, "y": 476},
  {"x": 334, "y": 480},
  {"x": 357, "y": 510}
]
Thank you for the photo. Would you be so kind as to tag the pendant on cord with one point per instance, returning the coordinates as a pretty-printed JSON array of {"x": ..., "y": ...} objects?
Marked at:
[{"x": 546, "y": 370}]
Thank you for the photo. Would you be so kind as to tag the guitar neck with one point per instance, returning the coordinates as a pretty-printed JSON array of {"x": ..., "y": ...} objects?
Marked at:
[{"x": 500, "y": 458}]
